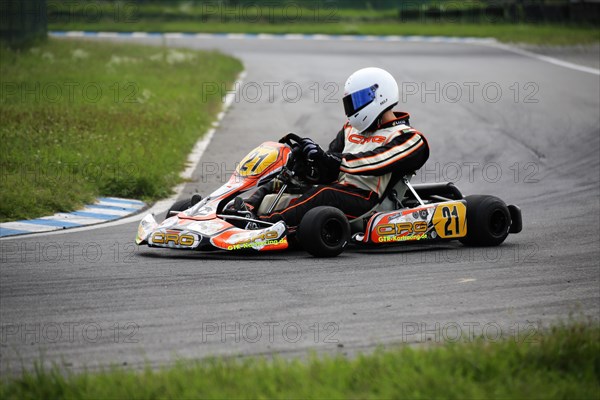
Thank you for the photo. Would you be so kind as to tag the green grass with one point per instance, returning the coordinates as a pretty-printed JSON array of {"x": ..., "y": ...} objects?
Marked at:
[
  {"x": 509, "y": 33},
  {"x": 474, "y": 20},
  {"x": 83, "y": 119},
  {"x": 563, "y": 363}
]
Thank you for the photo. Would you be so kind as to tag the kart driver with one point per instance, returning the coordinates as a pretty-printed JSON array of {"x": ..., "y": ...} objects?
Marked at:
[{"x": 358, "y": 165}]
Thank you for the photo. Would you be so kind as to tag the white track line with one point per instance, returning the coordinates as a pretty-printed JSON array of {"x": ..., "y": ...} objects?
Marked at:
[
  {"x": 547, "y": 59},
  {"x": 161, "y": 206}
]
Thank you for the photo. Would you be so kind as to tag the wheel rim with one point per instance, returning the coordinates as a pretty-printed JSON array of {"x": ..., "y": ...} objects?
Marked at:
[
  {"x": 498, "y": 222},
  {"x": 331, "y": 232}
]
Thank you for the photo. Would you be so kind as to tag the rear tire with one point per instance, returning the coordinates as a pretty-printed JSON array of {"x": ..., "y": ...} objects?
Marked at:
[
  {"x": 324, "y": 232},
  {"x": 488, "y": 221}
]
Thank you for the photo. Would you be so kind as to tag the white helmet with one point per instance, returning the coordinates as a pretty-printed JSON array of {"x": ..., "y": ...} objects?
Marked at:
[{"x": 367, "y": 94}]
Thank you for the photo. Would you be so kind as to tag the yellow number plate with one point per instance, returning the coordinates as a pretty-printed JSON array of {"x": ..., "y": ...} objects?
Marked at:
[
  {"x": 450, "y": 220},
  {"x": 257, "y": 161}
]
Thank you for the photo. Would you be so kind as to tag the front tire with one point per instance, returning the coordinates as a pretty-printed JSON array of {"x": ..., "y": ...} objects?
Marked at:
[
  {"x": 179, "y": 206},
  {"x": 488, "y": 221},
  {"x": 324, "y": 232}
]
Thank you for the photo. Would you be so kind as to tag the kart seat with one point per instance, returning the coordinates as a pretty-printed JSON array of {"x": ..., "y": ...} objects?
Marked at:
[
  {"x": 391, "y": 199},
  {"x": 394, "y": 192}
]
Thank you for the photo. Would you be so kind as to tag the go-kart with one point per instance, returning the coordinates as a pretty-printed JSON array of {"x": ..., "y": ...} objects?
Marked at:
[{"x": 405, "y": 213}]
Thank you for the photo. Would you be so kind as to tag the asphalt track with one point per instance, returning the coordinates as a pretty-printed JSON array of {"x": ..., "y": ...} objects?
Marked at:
[{"x": 91, "y": 298}]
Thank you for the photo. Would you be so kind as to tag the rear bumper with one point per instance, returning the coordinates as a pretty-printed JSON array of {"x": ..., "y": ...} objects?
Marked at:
[{"x": 516, "y": 224}]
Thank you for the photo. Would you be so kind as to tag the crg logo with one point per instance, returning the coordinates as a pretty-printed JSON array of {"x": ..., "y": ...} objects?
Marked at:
[
  {"x": 176, "y": 239},
  {"x": 402, "y": 227},
  {"x": 360, "y": 139}
]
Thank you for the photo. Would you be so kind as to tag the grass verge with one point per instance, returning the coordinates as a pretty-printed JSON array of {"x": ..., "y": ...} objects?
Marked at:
[
  {"x": 508, "y": 33},
  {"x": 82, "y": 119},
  {"x": 550, "y": 34},
  {"x": 558, "y": 364}
]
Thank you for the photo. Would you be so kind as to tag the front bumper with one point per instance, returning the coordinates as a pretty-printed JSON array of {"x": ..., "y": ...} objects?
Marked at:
[{"x": 191, "y": 234}]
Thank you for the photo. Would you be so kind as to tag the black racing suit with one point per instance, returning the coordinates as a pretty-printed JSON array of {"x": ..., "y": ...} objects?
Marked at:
[{"x": 358, "y": 167}]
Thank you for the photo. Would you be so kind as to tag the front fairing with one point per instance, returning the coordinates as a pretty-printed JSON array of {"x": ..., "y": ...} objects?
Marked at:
[
  {"x": 200, "y": 227},
  {"x": 192, "y": 234}
]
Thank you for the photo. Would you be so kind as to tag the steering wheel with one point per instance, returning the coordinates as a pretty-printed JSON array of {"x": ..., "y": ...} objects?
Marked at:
[
  {"x": 305, "y": 169},
  {"x": 291, "y": 139}
]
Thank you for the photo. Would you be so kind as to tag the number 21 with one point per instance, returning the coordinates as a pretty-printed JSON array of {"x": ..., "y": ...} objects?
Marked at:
[{"x": 446, "y": 213}]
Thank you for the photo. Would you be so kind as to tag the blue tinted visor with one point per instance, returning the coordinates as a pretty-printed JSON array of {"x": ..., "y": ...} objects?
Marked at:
[{"x": 359, "y": 100}]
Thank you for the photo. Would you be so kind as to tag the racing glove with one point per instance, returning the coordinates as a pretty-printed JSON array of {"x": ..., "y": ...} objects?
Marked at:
[
  {"x": 310, "y": 149},
  {"x": 324, "y": 166}
]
